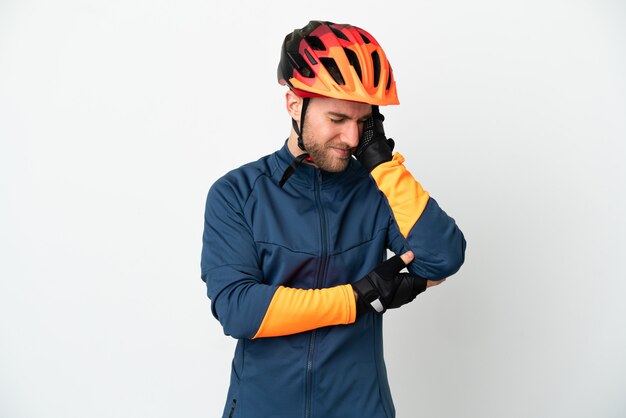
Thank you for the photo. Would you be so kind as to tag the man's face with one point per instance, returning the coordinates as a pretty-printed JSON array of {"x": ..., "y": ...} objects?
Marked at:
[{"x": 332, "y": 129}]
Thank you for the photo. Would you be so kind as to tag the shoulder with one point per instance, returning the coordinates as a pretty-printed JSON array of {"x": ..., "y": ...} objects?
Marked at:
[{"x": 237, "y": 184}]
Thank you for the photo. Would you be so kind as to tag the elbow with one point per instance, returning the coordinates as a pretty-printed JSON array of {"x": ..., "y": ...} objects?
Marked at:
[
  {"x": 235, "y": 322},
  {"x": 235, "y": 330},
  {"x": 439, "y": 261},
  {"x": 452, "y": 264},
  {"x": 240, "y": 308},
  {"x": 438, "y": 243},
  {"x": 453, "y": 258}
]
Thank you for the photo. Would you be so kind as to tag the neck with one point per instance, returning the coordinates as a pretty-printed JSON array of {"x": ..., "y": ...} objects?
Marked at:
[{"x": 292, "y": 144}]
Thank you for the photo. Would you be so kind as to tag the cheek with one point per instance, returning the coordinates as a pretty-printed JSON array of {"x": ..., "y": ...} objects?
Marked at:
[
  {"x": 326, "y": 132},
  {"x": 322, "y": 131}
]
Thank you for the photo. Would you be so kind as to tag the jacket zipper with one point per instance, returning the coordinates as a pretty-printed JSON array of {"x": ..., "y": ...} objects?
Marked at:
[
  {"x": 320, "y": 275},
  {"x": 232, "y": 408}
]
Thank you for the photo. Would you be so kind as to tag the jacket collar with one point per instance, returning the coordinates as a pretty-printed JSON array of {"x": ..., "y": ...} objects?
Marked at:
[{"x": 307, "y": 175}]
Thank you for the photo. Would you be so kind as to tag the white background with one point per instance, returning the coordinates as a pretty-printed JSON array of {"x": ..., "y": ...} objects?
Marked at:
[{"x": 117, "y": 116}]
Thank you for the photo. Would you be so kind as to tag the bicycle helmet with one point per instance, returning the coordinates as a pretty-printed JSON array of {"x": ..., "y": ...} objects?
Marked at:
[
  {"x": 325, "y": 59},
  {"x": 340, "y": 61}
]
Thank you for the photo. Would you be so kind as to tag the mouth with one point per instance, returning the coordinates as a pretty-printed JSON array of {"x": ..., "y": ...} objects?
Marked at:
[{"x": 343, "y": 152}]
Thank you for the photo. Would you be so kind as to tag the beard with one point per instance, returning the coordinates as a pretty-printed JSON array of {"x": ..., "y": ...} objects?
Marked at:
[{"x": 325, "y": 157}]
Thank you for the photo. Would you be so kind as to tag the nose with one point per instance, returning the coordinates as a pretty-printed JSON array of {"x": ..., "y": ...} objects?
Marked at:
[{"x": 350, "y": 134}]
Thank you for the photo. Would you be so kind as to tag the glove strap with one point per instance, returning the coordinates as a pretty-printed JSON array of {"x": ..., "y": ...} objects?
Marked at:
[{"x": 368, "y": 299}]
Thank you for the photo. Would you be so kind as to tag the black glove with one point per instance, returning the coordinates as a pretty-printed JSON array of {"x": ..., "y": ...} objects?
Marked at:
[
  {"x": 386, "y": 288},
  {"x": 374, "y": 148},
  {"x": 409, "y": 286}
]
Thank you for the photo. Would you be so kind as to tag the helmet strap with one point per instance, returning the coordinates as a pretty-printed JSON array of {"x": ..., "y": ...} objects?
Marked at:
[
  {"x": 305, "y": 104},
  {"x": 302, "y": 157},
  {"x": 292, "y": 168}
]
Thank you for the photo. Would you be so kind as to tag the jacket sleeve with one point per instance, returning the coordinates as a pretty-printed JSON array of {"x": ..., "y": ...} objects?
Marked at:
[
  {"x": 432, "y": 235},
  {"x": 241, "y": 300}
]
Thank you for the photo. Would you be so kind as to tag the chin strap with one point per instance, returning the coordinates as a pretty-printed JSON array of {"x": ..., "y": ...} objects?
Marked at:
[
  {"x": 292, "y": 167},
  {"x": 300, "y": 158},
  {"x": 305, "y": 104}
]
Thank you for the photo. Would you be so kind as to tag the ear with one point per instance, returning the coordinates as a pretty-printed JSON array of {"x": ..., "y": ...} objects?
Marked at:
[{"x": 293, "y": 102}]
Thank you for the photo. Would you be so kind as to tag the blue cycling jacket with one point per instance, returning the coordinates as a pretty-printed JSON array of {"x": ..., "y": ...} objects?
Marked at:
[{"x": 278, "y": 262}]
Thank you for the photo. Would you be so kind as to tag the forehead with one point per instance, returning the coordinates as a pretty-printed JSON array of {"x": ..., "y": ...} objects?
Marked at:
[{"x": 343, "y": 107}]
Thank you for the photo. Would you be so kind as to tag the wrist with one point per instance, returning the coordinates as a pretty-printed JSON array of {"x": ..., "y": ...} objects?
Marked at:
[
  {"x": 376, "y": 153},
  {"x": 367, "y": 297}
]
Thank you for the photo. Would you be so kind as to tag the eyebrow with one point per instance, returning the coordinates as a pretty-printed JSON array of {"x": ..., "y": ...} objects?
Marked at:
[{"x": 344, "y": 116}]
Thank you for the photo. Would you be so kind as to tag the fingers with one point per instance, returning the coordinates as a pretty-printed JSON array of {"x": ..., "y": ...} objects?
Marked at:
[
  {"x": 376, "y": 113},
  {"x": 396, "y": 263},
  {"x": 407, "y": 257},
  {"x": 391, "y": 267},
  {"x": 432, "y": 283}
]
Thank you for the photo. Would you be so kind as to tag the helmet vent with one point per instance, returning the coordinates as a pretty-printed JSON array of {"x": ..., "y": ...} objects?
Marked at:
[
  {"x": 300, "y": 64},
  {"x": 333, "y": 70},
  {"x": 310, "y": 57},
  {"x": 376, "y": 64},
  {"x": 315, "y": 43},
  {"x": 388, "y": 80},
  {"x": 365, "y": 38},
  {"x": 339, "y": 34},
  {"x": 354, "y": 61}
]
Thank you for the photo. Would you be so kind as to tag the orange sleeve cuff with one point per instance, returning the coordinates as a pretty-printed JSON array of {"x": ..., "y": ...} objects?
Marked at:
[
  {"x": 298, "y": 310},
  {"x": 405, "y": 195}
]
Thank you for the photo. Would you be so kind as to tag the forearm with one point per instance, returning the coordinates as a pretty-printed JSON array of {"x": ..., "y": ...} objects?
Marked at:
[
  {"x": 297, "y": 310},
  {"x": 248, "y": 308},
  {"x": 433, "y": 236},
  {"x": 405, "y": 195}
]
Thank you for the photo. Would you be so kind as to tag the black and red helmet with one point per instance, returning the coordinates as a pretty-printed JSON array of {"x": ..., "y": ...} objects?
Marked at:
[{"x": 325, "y": 59}]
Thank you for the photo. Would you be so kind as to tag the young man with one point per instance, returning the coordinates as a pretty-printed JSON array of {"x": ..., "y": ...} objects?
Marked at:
[{"x": 294, "y": 244}]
